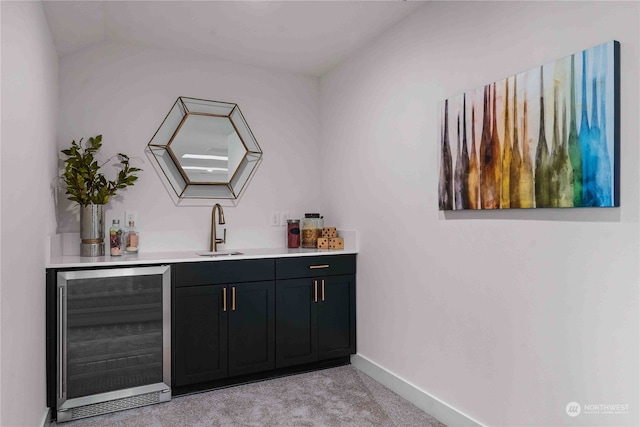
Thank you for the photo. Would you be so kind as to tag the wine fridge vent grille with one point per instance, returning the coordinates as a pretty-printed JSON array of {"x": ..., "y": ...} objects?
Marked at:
[{"x": 115, "y": 405}]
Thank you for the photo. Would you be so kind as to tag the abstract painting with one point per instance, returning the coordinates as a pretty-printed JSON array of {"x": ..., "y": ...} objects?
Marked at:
[{"x": 543, "y": 138}]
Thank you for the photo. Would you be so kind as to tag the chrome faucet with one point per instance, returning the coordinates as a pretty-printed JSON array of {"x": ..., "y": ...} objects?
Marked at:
[{"x": 214, "y": 240}]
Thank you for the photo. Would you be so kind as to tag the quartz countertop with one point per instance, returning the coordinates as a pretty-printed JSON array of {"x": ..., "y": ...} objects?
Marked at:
[{"x": 68, "y": 261}]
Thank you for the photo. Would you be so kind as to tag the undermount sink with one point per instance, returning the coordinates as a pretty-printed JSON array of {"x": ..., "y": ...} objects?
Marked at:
[{"x": 219, "y": 253}]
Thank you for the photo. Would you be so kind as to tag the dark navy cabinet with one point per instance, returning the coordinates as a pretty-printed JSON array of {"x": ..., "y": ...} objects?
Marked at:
[
  {"x": 240, "y": 320},
  {"x": 315, "y": 309},
  {"x": 224, "y": 320}
]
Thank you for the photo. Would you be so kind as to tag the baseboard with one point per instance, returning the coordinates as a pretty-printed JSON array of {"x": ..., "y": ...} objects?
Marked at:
[
  {"x": 46, "y": 418},
  {"x": 423, "y": 400}
]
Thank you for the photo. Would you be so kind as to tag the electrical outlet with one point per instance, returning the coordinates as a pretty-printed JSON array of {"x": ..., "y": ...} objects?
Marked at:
[
  {"x": 284, "y": 216},
  {"x": 130, "y": 216},
  {"x": 275, "y": 219}
]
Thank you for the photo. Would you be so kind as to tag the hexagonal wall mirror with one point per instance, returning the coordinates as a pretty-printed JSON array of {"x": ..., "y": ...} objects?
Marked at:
[{"x": 205, "y": 149}]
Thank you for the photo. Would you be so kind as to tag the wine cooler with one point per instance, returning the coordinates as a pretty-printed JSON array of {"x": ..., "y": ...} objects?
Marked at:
[{"x": 113, "y": 340}]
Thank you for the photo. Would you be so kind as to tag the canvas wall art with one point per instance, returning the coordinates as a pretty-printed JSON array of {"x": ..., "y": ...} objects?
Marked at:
[{"x": 544, "y": 138}]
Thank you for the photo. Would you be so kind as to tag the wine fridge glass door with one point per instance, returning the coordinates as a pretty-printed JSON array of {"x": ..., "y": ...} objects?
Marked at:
[{"x": 114, "y": 334}]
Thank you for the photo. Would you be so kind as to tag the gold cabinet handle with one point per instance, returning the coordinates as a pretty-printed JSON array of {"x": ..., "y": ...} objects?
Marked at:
[
  {"x": 314, "y": 267},
  {"x": 315, "y": 292},
  {"x": 224, "y": 299},
  {"x": 322, "y": 289},
  {"x": 233, "y": 298}
]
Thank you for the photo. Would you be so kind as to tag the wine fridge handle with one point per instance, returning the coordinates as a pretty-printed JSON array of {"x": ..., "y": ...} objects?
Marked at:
[{"x": 61, "y": 342}]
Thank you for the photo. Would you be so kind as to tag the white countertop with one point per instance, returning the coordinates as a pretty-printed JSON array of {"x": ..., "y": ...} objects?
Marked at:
[{"x": 66, "y": 261}]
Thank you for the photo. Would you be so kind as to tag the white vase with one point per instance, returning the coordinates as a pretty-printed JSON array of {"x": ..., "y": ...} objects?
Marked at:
[{"x": 92, "y": 230}]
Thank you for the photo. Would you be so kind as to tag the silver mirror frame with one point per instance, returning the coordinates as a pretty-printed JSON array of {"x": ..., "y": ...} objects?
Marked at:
[{"x": 179, "y": 181}]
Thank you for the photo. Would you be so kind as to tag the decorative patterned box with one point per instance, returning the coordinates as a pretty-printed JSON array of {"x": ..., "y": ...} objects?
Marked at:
[
  {"x": 323, "y": 243},
  {"x": 329, "y": 232},
  {"x": 336, "y": 243}
]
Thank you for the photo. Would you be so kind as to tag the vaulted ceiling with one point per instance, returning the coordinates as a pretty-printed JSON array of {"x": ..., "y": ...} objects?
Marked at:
[{"x": 308, "y": 37}]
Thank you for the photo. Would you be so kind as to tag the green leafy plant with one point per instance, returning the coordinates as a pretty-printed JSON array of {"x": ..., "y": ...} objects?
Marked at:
[{"x": 82, "y": 177}]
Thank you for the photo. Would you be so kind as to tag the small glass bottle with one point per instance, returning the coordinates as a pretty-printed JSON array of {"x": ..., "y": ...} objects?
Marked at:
[
  {"x": 132, "y": 239},
  {"x": 115, "y": 238}
]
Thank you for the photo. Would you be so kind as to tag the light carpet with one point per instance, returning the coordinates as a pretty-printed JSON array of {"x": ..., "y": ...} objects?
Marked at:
[{"x": 341, "y": 396}]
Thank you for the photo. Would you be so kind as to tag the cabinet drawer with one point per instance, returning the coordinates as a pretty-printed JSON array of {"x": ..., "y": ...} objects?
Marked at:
[
  {"x": 314, "y": 266},
  {"x": 223, "y": 272}
]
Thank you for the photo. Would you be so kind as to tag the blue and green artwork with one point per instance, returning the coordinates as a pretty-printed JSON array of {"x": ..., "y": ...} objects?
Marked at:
[{"x": 543, "y": 138}]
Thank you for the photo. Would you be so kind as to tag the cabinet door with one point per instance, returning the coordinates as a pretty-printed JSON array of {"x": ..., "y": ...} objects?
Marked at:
[
  {"x": 337, "y": 317},
  {"x": 251, "y": 308},
  {"x": 296, "y": 330},
  {"x": 200, "y": 334}
]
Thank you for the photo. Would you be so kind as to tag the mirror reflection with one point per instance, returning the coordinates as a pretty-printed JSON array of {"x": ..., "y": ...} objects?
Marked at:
[{"x": 205, "y": 149}]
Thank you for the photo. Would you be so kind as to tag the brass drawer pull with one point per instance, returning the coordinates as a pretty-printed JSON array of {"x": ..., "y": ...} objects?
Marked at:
[
  {"x": 224, "y": 299},
  {"x": 322, "y": 289},
  {"x": 313, "y": 267},
  {"x": 233, "y": 298}
]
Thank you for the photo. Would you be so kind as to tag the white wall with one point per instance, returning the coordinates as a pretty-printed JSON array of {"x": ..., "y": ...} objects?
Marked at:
[
  {"x": 509, "y": 315},
  {"x": 27, "y": 158},
  {"x": 124, "y": 93}
]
